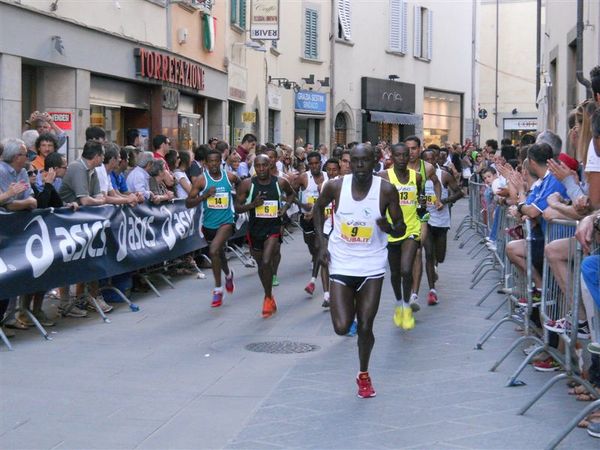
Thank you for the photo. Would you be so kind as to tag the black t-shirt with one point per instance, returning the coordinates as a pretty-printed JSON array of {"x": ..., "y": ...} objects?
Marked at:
[{"x": 262, "y": 227}]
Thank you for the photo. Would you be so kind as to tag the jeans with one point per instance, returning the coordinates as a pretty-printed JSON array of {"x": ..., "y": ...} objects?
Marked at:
[{"x": 590, "y": 271}]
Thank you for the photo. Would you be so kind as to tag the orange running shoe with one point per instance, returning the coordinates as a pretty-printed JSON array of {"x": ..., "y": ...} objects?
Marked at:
[{"x": 269, "y": 307}]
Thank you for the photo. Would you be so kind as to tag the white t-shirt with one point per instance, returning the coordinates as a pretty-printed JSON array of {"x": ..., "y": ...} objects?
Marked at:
[
  {"x": 103, "y": 179},
  {"x": 179, "y": 175},
  {"x": 592, "y": 163}
]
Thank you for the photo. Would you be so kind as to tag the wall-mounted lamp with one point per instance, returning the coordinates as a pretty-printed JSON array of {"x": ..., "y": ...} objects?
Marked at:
[
  {"x": 54, "y": 5},
  {"x": 58, "y": 44},
  {"x": 393, "y": 77},
  {"x": 182, "y": 35},
  {"x": 310, "y": 79},
  {"x": 324, "y": 82},
  {"x": 285, "y": 83},
  {"x": 253, "y": 45},
  {"x": 514, "y": 111}
]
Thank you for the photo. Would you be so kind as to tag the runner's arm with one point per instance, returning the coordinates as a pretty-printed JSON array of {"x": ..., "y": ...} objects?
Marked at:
[
  {"x": 391, "y": 201},
  {"x": 456, "y": 191},
  {"x": 290, "y": 194},
  {"x": 193, "y": 198},
  {"x": 437, "y": 186},
  {"x": 328, "y": 194}
]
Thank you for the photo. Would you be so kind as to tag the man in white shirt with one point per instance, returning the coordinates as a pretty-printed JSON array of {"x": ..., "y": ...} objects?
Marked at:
[{"x": 138, "y": 179}]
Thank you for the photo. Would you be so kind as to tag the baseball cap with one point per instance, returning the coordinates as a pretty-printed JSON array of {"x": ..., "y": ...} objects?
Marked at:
[{"x": 571, "y": 163}]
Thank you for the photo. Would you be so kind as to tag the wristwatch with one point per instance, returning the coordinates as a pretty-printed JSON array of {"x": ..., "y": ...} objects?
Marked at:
[{"x": 520, "y": 207}]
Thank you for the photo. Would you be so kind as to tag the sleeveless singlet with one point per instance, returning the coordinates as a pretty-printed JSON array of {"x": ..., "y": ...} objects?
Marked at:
[
  {"x": 423, "y": 173},
  {"x": 437, "y": 218},
  {"x": 264, "y": 219},
  {"x": 328, "y": 215},
  {"x": 218, "y": 209},
  {"x": 311, "y": 193},
  {"x": 408, "y": 203},
  {"x": 357, "y": 246}
]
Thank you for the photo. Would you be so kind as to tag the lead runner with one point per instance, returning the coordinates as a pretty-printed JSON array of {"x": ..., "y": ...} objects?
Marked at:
[{"x": 357, "y": 250}]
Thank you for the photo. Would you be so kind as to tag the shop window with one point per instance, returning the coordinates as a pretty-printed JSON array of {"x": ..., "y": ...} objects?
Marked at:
[
  {"x": 238, "y": 13},
  {"x": 109, "y": 118},
  {"x": 398, "y": 32},
  {"x": 341, "y": 129},
  {"x": 442, "y": 117},
  {"x": 311, "y": 33},
  {"x": 191, "y": 132},
  {"x": 423, "y": 33}
]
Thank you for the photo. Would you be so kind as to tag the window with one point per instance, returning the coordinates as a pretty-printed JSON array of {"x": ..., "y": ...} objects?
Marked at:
[
  {"x": 344, "y": 20},
  {"x": 238, "y": 13},
  {"x": 423, "y": 33},
  {"x": 311, "y": 33},
  {"x": 398, "y": 38},
  {"x": 442, "y": 117}
]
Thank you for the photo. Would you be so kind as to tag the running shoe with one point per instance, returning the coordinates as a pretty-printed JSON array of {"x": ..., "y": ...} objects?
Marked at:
[
  {"x": 547, "y": 365},
  {"x": 398, "y": 316},
  {"x": 275, "y": 281},
  {"x": 325, "y": 303},
  {"x": 310, "y": 288},
  {"x": 269, "y": 307},
  {"x": 594, "y": 347},
  {"x": 229, "y": 284},
  {"x": 217, "y": 299},
  {"x": 414, "y": 302},
  {"x": 365, "y": 388},
  {"x": 432, "y": 298},
  {"x": 408, "y": 321},
  {"x": 593, "y": 429},
  {"x": 353, "y": 329}
]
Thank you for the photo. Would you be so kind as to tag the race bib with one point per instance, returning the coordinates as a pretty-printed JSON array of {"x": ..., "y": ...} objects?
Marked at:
[
  {"x": 328, "y": 211},
  {"x": 356, "y": 232},
  {"x": 311, "y": 199},
  {"x": 268, "y": 210},
  {"x": 218, "y": 201},
  {"x": 431, "y": 199},
  {"x": 408, "y": 195}
]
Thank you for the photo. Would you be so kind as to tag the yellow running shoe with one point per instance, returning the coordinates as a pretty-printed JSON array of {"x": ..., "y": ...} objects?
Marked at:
[
  {"x": 398, "y": 316},
  {"x": 408, "y": 321}
]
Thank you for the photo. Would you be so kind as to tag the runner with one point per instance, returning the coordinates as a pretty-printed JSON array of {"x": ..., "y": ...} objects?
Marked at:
[
  {"x": 309, "y": 184},
  {"x": 356, "y": 252},
  {"x": 332, "y": 167},
  {"x": 439, "y": 219},
  {"x": 260, "y": 196},
  {"x": 403, "y": 249},
  {"x": 427, "y": 172},
  {"x": 215, "y": 186}
]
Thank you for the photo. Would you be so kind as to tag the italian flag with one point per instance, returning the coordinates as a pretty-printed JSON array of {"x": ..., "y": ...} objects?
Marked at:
[{"x": 210, "y": 26}]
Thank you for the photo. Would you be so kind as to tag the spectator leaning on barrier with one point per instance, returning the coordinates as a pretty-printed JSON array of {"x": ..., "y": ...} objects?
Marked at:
[
  {"x": 157, "y": 173},
  {"x": 183, "y": 182},
  {"x": 138, "y": 179},
  {"x": 12, "y": 171},
  {"x": 58, "y": 164},
  {"x": 80, "y": 183},
  {"x": 117, "y": 175},
  {"x": 112, "y": 196}
]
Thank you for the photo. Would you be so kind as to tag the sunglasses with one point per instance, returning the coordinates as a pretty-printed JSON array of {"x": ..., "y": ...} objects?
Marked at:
[{"x": 32, "y": 172}]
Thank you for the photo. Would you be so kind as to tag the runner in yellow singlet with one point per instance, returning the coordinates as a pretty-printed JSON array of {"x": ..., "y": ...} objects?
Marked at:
[{"x": 402, "y": 250}]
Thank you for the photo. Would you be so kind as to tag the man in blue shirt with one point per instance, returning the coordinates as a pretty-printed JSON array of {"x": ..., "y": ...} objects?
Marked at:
[{"x": 533, "y": 206}]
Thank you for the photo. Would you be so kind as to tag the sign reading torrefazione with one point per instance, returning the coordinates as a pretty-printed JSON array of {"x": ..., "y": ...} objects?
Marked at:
[
  {"x": 264, "y": 20},
  {"x": 167, "y": 68}
]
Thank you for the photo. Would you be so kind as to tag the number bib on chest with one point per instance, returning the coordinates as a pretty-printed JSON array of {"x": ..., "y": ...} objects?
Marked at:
[
  {"x": 431, "y": 199},
  {"x": 328, "y": 211},
  {"x": 356, "y": 232},
  {"x": 408, "y": 195},
  {"x": 268, "y": 210},
  {"x": 311, "y": 199},
  {"x": 218, "y": 201}
]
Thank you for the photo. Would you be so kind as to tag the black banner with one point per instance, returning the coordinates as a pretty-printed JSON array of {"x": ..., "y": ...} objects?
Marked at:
[{"x": 47, "y": 248}]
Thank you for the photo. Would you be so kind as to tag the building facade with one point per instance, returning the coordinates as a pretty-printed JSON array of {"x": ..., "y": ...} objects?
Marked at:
[{"x": 98, "y": 66}]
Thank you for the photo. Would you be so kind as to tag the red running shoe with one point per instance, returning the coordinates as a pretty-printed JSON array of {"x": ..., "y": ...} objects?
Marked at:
[
  {"x": 310, "y": 288},
  {"x": 365, "y": 388},
  {"x": 229, "y": 284},
  {"x": 217, "y": 299},
  {"x": 269, "y": 307},
  {"x": 432, "y": 298}
]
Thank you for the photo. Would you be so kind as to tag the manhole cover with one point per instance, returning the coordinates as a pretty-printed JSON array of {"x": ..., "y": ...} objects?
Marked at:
[{"x": 281, "y": 347}]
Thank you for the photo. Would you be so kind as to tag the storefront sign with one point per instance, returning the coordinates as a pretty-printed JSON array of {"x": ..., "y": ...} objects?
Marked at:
[
  {"x": 264, "y": 20},
  {"x": 170, "y": 98},
  {"x": 249, "y": 117},
  {"x": 63, "y": 120},
  {"x": 311, "y": 102},
  {"x": 387, "y": 95},
  {"x": 237, "y": 82},
  {"x": 521, "y": 124},
  {"x": 166, "y": 68}
]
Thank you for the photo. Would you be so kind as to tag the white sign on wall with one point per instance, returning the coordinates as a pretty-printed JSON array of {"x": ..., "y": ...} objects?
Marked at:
[
  {"x": 521, "y": 124},
  {"x": 264, "y": 20}
]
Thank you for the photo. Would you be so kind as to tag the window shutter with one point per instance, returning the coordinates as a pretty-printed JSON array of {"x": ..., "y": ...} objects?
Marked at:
[
  {"x": 234, "y": 16},
  {"x": 429, "y": 34},
  {"x": 344, "y": 14},
  {"x": 404, "y": 27},
  {"x": 395, "y": 37},
  {"x": 310, "y": 34},
  {"x": 417, "y": 32},
  {"x": 242, "y": 14}
]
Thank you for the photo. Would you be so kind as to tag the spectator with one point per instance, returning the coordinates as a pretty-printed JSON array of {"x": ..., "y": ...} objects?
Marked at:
[
  {"x": 160, "y": 146},
  {"x": 212, "y": 143},
  {"x": 132, "y": 140},
  {"x": 552, "y": 139},
  {"x": 95, "y": 134},
  {"x": 246, "y": 147},
  {"x": 117, "y": 176},
  {"x": 43, "y": 123},
  {"x": 44, "y": 145},
  {"x": 110, "y": 163},
  {"x": 80, "y": 183},
  {"x": 58, "y": 164},
  {"x": 223, "y": 148},
  {"x": 12, "y": 171},
  {"x": 233, "y": 163},
  {"x": 183, "y": 182},
  {"x": 138, "y": 179},
  {"x": 172, "y": 159},
  {"x": 159, "y": 190},
  {"x": 197, "y": 166},
  {"x": 29, "y": 137}
]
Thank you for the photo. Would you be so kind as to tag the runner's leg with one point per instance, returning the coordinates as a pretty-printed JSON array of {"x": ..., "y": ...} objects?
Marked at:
[
  {"x": 217, "y": 253},
  {"x": 367, "y": 304},
  {"x": 430, "y": 261},
  {"x": 270, "y": 255},
  {"x": 343, "y": 308}
]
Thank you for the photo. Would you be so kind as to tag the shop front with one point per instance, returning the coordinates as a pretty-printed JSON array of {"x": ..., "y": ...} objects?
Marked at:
[
  {"x": 389, "y": 110},
  {"x": 309, "y": 119},
  {"x": 515, "y": 128},
  {"x": 442, "y": 117}
]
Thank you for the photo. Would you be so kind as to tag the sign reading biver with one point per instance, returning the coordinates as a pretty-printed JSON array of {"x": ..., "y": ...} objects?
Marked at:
[
  {"x": 311, "y": 102},
  {"x": 264, "y": 20}
]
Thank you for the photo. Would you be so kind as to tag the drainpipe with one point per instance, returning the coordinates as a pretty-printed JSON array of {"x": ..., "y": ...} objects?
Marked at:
[
  {"x": 332, "y": 73},
  {"x": 580, "y": 77},
  {"x": 538, "y": 49},
  {"x": 473, "y": 56},
  {"x": 169, "y": 26},
  {"x": 497, "y": 43}
]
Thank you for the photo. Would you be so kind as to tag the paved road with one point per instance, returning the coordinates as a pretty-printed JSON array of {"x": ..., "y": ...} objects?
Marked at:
[{"x": 177, "y": 375}]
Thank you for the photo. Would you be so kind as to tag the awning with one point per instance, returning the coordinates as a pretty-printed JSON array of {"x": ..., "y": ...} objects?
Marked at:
[{"x": 399, "y": 118}]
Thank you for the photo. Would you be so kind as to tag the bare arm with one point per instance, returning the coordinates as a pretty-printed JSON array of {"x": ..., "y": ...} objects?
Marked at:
[
  {"x": 193, "y": 198},
  {"x": 328, "y": 194},
  {"x": 92, "y": 201},
  {"x": 455, "y": 191},
  {"x": 391, "y": 203},
  {"x": 22, "y": 205}
]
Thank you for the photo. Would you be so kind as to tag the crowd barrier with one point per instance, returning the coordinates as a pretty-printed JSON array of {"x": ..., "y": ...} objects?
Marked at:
[{"x": 560, "y": 299}]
